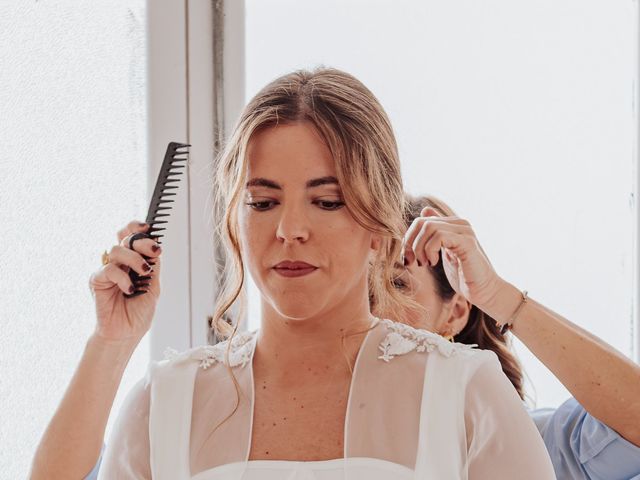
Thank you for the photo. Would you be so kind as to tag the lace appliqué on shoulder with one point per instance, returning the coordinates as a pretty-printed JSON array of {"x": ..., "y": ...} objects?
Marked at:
[
  {"x": 239, "y": 354},
  {"x": 403, "y": 339}
]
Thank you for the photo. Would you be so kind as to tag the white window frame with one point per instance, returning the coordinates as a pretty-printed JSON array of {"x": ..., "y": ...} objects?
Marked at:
[{"x": 185, "y": 82}]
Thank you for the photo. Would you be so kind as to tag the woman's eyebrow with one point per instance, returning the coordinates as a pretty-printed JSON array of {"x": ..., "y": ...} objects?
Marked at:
[
  {"x": 263, "y": 182},
  {"x": 316, "y": 182}
]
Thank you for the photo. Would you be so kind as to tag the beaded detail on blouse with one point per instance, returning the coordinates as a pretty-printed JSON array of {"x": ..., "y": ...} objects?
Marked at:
[
  {"x": 400, "y": 339},
  {"x": 403, "y": 339},
  {"x": 207, "y": 355}
]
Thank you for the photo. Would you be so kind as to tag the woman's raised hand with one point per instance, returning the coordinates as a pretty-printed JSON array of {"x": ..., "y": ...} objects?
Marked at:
[
  {"x": 118, "y": 317},
  {"x": 465, "y": 263}
]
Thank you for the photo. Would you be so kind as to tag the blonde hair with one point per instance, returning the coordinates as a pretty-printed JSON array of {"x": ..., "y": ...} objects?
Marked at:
[{"x": 356, "y": 129}]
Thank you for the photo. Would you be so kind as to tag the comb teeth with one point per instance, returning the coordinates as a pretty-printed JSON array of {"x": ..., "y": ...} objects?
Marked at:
[
  {"x": 176, "y": 152},
  {"x": 167, "y": 180}
]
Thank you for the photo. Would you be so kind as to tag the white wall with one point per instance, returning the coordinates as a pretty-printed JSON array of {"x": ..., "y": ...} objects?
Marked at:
[{"x": 74, "y": 168}]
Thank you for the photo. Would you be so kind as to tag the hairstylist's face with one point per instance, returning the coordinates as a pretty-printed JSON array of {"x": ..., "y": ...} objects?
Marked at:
[
  {"x": 442, "y": 317},
  {"x": 304, "y": 250}
]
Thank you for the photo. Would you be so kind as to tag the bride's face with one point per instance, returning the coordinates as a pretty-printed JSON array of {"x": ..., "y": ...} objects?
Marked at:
[{"x": 304, "y": 250}]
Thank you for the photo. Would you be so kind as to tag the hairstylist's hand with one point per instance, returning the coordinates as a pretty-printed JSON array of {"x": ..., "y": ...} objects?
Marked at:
[
  {"x": 465, "y": 263},
  {"x": 118, "y": 317}
]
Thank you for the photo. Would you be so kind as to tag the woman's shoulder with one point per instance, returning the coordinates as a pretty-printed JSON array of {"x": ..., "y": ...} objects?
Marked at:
[
  {"x": 402, "y": 339},
  {"x": 396, "y": 339},
  {"x": 414, "y": 347},
  {"x": 239, "y": 349}
]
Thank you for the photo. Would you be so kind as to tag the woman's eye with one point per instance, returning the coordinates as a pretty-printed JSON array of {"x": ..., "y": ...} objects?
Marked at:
[
  {"x": 399, "y": 284},
  {"x": 328, "y": 205},
  {"x": 261, "y": 206}
]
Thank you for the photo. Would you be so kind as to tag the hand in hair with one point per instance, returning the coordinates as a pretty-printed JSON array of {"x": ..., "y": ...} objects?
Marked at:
[{"x": 432, "y": 237}]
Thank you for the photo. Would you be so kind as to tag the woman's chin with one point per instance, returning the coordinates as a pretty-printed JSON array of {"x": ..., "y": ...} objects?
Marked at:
[
  {"x": 296, "y": 313},
  {"x": 298, "y": 309}
]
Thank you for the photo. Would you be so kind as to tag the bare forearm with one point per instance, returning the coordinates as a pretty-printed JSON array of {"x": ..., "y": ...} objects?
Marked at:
[
  {"x": 603, "y": 380},
  {"x": 71, "y": 443}
]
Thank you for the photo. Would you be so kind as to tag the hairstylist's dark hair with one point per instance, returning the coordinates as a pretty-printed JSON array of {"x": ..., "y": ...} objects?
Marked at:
[{"x": 481, "y": 329}]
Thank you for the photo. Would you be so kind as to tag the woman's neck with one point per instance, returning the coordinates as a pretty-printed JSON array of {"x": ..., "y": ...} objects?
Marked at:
[{"x": 288, "y": 345}]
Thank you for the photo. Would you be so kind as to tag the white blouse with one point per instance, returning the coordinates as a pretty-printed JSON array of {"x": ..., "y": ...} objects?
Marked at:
[{"x": 419, "y": 407}]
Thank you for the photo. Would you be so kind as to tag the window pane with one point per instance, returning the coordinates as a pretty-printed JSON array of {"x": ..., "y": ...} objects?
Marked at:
[
  {"x": 73, "y": 130},
  {"x": 518, "y": 114}
]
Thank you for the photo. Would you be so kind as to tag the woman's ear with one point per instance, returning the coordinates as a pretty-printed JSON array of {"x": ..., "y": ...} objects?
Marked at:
[
  {"x": 459, "y": 310},
  {"x": 376, "y": 242}
]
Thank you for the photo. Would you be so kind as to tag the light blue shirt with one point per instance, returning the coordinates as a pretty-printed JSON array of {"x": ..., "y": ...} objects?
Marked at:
[{"x": 580, "y": 447}]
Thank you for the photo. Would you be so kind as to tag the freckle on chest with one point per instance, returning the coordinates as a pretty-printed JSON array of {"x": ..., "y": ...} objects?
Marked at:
[{"x": 305, "y": 425}]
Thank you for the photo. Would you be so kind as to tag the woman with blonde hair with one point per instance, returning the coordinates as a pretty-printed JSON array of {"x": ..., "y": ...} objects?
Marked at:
[{"x": 312, "y": 193}]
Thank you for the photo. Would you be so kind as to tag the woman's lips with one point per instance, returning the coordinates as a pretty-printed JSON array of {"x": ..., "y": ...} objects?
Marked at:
[{"x": 294, "y": 269}]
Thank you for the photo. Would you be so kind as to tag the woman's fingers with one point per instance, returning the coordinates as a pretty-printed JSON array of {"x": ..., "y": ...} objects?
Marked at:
[
  {"x": 109, "y": 275},
  {"x": 124, "y": 256},
  {"x": 422, "y": 230},
  {"x": 437, "y": 235},
  {"x": 145, "y": 246},
  {"x": 132, "y": 227},
  {"x": 465, "y": 263},
  {"x": 459, "y": 243}
]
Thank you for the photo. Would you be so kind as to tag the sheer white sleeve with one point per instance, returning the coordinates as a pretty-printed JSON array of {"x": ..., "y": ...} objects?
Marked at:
[
  {"x": 127, "y": 453},
  {"x": 502, "y": 440}
]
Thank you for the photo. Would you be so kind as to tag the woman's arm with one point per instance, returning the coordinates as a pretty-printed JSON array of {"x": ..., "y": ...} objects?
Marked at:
[
  {"x": 72, "y": 441},
  {"x": 128, "y": 455},
  {"x": 604, "y": 381}
]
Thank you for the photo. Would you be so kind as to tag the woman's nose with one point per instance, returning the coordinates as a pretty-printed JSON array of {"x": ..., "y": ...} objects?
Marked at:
[{"x": 293, "y": 225}]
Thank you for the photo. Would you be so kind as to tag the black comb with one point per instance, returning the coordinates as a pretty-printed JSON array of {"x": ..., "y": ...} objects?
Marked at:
[{"x": 159, "y": 207}]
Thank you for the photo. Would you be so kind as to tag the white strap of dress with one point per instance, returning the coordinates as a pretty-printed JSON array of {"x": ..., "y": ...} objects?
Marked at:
[{"x": 170, "y": 420}]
